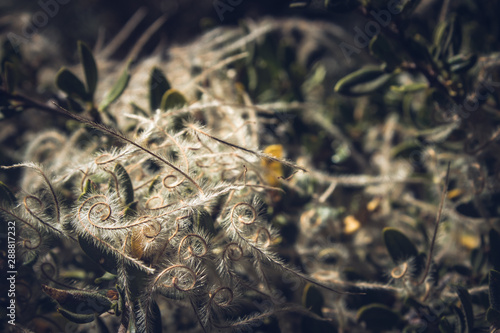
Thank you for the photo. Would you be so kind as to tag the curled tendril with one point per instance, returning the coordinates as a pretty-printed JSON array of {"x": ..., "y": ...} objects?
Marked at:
[
  {"x": 193, "y": 250},
  {"x": 161, "y": 206},
  {"x": 84, "y": 178},
  {"x": 105, "y": 217},
  {"x": 267, "y": 236},
  {"x": 179, "y": 283},
  {"x": 100, "y": 207},
  {"x": 27, "y": 242},
  {"x": 399, "y": 271},
  {"x": 247, "y": 216},
  {"x": 31, "y": 197},
  {"x": 151, "y": 230},
  {"x": 175, "y": 182},
  {"x": 105, "y": 211},
  {"x": 233, "y": 252},
  {"x": 222, "y": 297},
  {"x": 96, "y": 205}
]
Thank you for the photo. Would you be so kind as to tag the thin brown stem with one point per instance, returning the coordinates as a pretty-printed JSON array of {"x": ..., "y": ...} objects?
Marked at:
[{"x": 436, "y": 226}]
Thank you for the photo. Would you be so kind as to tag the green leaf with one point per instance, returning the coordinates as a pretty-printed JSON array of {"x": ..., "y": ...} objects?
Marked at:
[
  {"x": 105, "y": 259},
  {"x": 105, "y": 278},
  {"x": 461, "y": 63},
  {"x": 124, "y": 184},
  {"x": 153, "y": 317},
  {"x": 363, "y": 81},
  {"x": 118, "y": 88},
  {"x": 204, "y": 221},
  {"x": 74, "y": 105},
  {"x": 494, "y": 253},
  {"x": 89, "y": 187},
  {"x": 158, "y": 85},
  {"x": 466, "y": 302},
  {"x": 79, "y": 301},
  {"x": 378, "y": 317},
  {"x": 152, "y": 188},
  {"x": 71, "y": 85},
  {"x": 10, "y": 76},
  {"x": 75, "y": 317},
  {"x": 89, "y": 68},
  {"x": 172, "y": 99},
  {"x": 399, "y": 246},
  {"x": 6, "y": 196},
  {"x": 494, "y": 289},
  {"x": 312, "y": 299},
  {"x": 493, "y": 317},
  {"x": 447, "y": 34},
  {"x": 131, "y": 209},
  {"x": 411, "y": 87}
]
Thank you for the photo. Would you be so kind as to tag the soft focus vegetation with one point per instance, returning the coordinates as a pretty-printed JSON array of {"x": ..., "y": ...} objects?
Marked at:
[{"x": 333, "y": 168}]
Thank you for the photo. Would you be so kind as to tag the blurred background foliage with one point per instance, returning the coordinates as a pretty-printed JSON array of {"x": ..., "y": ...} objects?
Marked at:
[{"x": 388, "y": 116}]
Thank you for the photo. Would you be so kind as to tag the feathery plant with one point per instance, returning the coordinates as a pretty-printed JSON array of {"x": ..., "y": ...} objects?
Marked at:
[
  {"x": 159, "y": 202},
  {"x": 173, "y": 205}
]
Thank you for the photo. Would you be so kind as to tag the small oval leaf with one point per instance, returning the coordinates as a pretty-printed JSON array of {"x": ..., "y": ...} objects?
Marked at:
[
  {"x": 71, "y": 85},
  {"x": 398, "y": 245},
  {"x": 172, "y": 99},
  {"x": 494, "y": 289},
  {"x": 152, "y": 188},
  {"x": 204, "y": 221},
  {"x": 378, "y": 317},
  {"x": 462, "y": 63},
  {"x": 411, "y": 87},
  {"x": 493, "y": 317},
  {"x": 118, "y": 89},
  {"x": 312, "y": 299},
  {"x": 79, "y": 301},
  {"x": 363, "y": 81},
  {"x": 89, "y": 187},
  {"x": 89, "y": 68},
  {"x": 124, "y": 184},
  {"x": 75, "y": 317},
  {"x": 158, "y": 85},
  {"x": 466, "y": 302}
]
